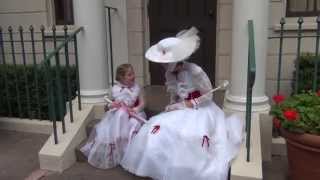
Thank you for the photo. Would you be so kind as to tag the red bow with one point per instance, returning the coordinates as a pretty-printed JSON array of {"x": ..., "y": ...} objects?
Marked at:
[
  {"x": 112, "y": 147},
  {"x": 155, "y": 129},
  {"x": 205, "y": 139}
]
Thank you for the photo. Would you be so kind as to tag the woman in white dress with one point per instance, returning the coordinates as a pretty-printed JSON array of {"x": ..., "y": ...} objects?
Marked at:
[
  {"x": 193, "y": 139},
  {"x": 110, "y": 137}
]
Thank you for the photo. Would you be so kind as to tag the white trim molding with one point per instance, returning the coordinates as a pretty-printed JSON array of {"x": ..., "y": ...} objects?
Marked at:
[
  {"x": 238, "y": 103},
  {"x": 93, "y": 96}
]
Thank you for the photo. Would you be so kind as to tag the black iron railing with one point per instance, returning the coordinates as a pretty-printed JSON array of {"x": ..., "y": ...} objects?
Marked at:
[
  {"x": 36, "y": 84},
  {"x": 299, "y": 36}
]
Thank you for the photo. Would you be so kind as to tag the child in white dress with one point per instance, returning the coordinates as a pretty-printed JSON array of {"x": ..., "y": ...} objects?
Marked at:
[
  {"x": 193, "y": 139},
  {"x": 110, "y": 137}
]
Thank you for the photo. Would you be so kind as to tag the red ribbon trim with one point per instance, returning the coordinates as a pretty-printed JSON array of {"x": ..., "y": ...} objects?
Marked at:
[{"x": 155, "y": 129}]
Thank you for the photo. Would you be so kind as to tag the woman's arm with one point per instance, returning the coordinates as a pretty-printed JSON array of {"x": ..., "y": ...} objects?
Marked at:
[{"x": 202, "y": 83}]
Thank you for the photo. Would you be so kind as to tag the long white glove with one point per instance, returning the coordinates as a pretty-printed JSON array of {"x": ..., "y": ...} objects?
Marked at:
[
  {"x": 175, "y": 106},
  {"x": 208, "y": 95}
]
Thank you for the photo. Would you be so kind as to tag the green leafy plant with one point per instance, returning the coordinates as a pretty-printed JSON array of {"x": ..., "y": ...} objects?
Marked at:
[
  {"x": 19, "y": 78},
  {"x": 306, "y": 72},
  {"x": 299, "y": 113}
]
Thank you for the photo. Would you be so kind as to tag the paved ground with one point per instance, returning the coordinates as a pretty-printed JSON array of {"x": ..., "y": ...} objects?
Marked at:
[
  {"x": 83, "y": 171},
  {"x": 277, "y": 169},
  {"x": 19, "y": 158},
  {"x": 19, "y": 154}
]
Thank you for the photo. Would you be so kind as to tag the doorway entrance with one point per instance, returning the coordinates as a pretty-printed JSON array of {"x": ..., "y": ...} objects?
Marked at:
[{"x": 168, "y": 17}]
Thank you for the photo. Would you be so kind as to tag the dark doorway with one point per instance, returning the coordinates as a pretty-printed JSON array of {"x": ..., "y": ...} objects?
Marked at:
[{"x": 167, "y": 17}]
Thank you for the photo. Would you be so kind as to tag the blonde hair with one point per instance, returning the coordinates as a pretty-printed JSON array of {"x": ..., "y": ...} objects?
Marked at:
[{"x": 122, "y": 70}]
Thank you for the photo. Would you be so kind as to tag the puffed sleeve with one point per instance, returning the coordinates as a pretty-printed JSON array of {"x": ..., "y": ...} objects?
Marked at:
[
  {"x": 171, "y": 84},
  {"x": 202, "y": 82}
]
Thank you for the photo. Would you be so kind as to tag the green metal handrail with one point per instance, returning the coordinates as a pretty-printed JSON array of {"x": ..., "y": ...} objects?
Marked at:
[
  {"x": 50, "y": 84},
  {"x": 62, "y": 45},
  {"x": 251, "y": 75},
  {"x": 108, "y": 14}
]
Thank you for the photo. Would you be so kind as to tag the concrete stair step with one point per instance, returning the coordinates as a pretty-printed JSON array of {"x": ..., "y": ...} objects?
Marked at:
[
  {"x": 79, "y": 155},
  {"x": 91, "y": 125}
]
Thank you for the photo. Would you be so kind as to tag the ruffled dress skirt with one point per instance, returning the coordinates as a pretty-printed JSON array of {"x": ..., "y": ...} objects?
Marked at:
[
  {"x": 188, "y": 144},
  {"x": 109, "y": 139}
]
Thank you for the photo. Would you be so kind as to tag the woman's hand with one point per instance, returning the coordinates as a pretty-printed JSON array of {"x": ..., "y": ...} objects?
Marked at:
[
  {"x": 188, "y": 103},
  {"x": 180, "y": 105}
]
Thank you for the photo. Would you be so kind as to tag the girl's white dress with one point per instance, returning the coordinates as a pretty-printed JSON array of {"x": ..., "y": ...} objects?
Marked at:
[
  {"x": 109, "y": 139},
  {"x": 189, "y": 143}
]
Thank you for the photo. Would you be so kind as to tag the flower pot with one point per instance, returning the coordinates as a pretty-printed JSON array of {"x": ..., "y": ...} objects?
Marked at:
[{"x": 303, "y": 152}]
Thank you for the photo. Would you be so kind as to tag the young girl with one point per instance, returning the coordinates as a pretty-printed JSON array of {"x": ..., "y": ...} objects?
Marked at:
[
  {"x": 108, "y": 141},
  {"x": 193, "y": 139}
]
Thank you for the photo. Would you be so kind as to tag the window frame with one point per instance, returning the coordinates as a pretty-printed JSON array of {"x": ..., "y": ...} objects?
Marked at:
[
  {"x": 315, "y": 12},
  {"x": 63, "y": 19}
]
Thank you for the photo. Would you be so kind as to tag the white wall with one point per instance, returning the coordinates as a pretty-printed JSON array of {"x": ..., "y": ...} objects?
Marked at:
[
  {"x": 24, "y": 13},
  {"x": 119, "y": 33},
  {"x": 278, "y": 10}
]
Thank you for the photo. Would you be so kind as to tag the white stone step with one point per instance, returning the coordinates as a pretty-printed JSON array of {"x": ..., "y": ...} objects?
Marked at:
[{"x": 252, "y": 170}]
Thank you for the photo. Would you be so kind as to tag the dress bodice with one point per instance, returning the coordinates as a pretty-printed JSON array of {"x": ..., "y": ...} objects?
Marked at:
[
  {"x": 128, "y": 95},
  {"x": 189, "y": 80}
]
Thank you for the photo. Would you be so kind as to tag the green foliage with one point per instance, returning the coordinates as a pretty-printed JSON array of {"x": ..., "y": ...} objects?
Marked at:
[
  {"x": 306, "y": 72},
  {"x": 307, "y": 106},
  {"x": 20, "y": 78}
]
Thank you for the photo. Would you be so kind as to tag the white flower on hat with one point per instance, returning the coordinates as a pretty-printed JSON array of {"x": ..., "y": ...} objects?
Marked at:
[{"x": 175, "y": 49}]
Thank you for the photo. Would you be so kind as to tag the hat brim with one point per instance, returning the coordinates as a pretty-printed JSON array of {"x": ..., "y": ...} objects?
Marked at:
[{"x": 182, "y": 49}]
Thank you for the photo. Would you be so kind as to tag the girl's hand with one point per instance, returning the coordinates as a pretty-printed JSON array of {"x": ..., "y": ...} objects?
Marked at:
[
  {"x": 135, "y": 109},
  {"x": 131, "y": 110},
  {"x": 106, "y": 108},
  {"x": 115, "y": 104}
]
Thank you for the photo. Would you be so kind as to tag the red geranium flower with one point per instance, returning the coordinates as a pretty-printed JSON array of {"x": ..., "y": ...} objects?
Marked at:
[
  {"x": 276, "y": 123},
  {"x": 278, "y": 98},
  {"x": 291, "y": 115},
  {"x": 318, "y": 92}
]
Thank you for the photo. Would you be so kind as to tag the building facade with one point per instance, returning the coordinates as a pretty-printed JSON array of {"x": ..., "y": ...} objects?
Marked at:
[{"x": 134, "y": 21}]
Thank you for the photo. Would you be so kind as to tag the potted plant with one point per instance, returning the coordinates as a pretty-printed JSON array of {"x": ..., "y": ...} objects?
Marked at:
[{"x": 298, "y": 118}]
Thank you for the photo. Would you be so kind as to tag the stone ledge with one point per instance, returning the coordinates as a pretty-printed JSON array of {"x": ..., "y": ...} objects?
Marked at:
[
  {"x": 26, "y": 125},
  {"x": 279, "y": 146},
  {"x": 58, "y": 157},
  {"x": 243, "y": 170}
]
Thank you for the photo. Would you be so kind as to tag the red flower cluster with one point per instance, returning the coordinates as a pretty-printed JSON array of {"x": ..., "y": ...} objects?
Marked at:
[
  {"x": 278, "y": 98},
  {"x": 291, "y": 115},
  {"x": 318, "y": 92}
]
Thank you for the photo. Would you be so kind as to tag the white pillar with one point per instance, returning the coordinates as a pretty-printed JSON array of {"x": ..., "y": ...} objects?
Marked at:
[
  {"x": 244, "y": 10},
  {"x": 92, "y": 49}
]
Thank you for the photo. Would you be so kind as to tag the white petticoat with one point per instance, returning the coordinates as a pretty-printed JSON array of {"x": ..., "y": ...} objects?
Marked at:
[
  {"x": 109, "y": 139},
  {"x": 188, "y": 144}
]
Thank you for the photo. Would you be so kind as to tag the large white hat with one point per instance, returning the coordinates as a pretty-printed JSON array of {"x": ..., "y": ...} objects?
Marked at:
[{"x": 174, "y": 49}]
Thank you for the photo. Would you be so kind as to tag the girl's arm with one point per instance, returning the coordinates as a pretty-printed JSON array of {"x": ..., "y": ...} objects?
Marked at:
[{"x": 141, "y": 104}]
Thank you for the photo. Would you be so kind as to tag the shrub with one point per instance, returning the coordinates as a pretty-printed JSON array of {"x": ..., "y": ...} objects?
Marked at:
[
  {"x": 15, "y": 78},
  {"x": 306, "y": 72}
]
